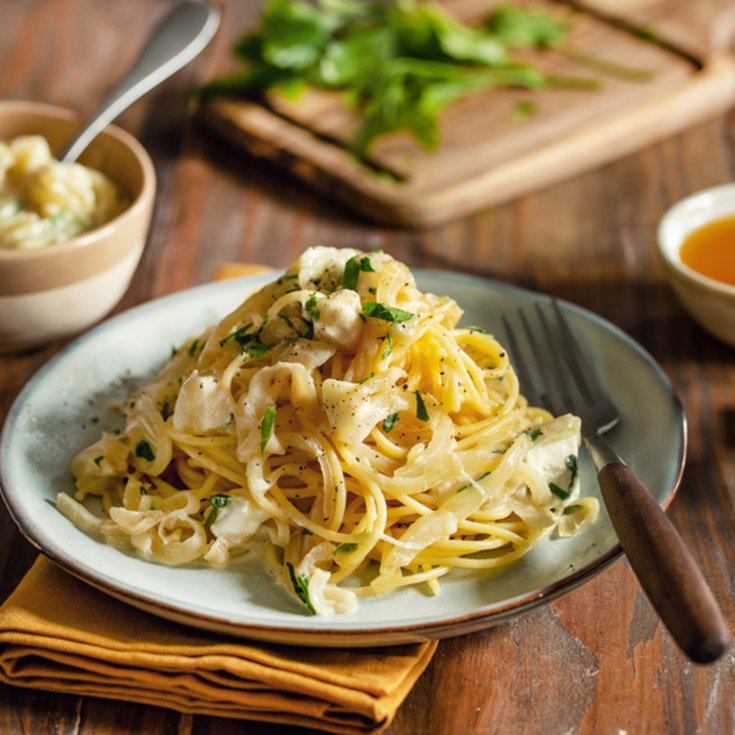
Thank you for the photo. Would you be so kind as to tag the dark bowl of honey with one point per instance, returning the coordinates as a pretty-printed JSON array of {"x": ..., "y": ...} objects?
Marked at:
[{"x": 696, "y": 240}]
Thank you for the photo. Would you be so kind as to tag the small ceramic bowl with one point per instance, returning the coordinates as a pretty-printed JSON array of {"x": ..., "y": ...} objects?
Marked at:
[
  {"x": 61, "y": 289},
  {"x": 710, "y": 303}
]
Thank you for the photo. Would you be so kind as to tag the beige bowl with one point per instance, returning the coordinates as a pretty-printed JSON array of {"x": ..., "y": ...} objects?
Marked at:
[
  {"x": 710, "y": 303},
  {"x": 59, "y": 290}
]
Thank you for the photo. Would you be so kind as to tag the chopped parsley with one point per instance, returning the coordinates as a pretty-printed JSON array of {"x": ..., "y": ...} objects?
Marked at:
[
  {"x": 389, "y": 349},
  {"x": 144, "y": 451},
  {"x": 195, "y": 349},
  {"x": 571, "y": 464},
  {"x": 390, "y": 421},
  {"x": 421, "y": 413},
  {"x": 219, "y": 500},
  {"x": 352, "y": 274},
  {"x": 311, "y": 307},
  {"x": 309, "y": 327},
  {"x": 98, "y": 461},
  {"x": 533, "y": 435},
  {"x": 387, "y": 313},
  {"x": 345, "y": 549},
  {"x": 301, "y": 587},
  {"x": 250, "y": 342},
  {"x": 266, "y": 427},
  {"x": 469, "y": 484},
  {"x": 353, "y": 267}
]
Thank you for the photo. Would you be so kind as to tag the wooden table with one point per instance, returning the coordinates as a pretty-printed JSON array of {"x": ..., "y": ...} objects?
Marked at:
[{"x": 596, "y": 661}]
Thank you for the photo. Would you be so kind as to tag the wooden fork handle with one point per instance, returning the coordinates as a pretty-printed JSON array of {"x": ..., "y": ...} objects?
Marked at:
[{"x": 665, "y": 568}]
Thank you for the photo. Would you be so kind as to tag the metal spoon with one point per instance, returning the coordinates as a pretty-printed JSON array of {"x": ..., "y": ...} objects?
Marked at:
[{"x": 180, "y": 37}]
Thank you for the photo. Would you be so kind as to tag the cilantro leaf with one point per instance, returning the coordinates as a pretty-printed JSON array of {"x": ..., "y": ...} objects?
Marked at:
[{"x": 400, "y": 63}]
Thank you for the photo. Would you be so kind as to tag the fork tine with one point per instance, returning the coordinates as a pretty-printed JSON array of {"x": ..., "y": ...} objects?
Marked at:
[
  {"x": 520, "y": 365},
  {"x": 588, "y": 375},
  {"x": 576, "y": 400},
  {"x": 555, "y": 399}
]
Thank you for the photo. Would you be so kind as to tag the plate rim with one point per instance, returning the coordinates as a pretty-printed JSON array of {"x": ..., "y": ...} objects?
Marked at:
[{"x": 330, "y": 637}]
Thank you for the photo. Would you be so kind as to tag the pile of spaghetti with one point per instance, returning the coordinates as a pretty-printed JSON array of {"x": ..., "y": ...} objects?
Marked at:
[{"x": 341, "y": 420}]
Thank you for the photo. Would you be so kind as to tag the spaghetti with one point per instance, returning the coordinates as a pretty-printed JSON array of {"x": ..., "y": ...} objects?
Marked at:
[{"x": 343, "y": 420}]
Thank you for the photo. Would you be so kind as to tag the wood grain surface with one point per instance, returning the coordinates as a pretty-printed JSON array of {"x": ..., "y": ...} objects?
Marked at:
[{"x": 596, "y": 661}]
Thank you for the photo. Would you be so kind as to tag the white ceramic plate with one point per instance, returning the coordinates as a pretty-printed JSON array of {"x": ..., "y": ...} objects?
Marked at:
[{"x": 66, "y": 405}]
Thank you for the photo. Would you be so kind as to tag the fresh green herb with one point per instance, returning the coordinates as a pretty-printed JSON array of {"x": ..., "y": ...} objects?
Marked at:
[
  {"x": 143, "y": 491},
  {"x": 352, "y": 274},
  {"x": 400, "y": 63},
  {"x": 218, "y": 501},
  {"x": 301, "y": 587},
  {"x": 386, "y": 313},
  {"x": 535, "y": 434},
  {"x": 306, "y": 532},
  {"x": 421, "y": 413},
  {"x": 193, "y": 348},
  {"x": 389, "y": 349},
  {"x": 469, "y": 484},
  {"x": 98, "y": 461},
  {"x": 311, "y": 307},
  {"x": 231, "y": 419},
  {"x": 515, "y": 27},
  {"x": 238, "y": 335},
  {"x": 571, "y": 464},
  {"x": 353, "y": 267},
  {"x": 144, "y": 451},
  {"x": 266, "y": 427},
  {"x": 390, "y": 421},
  {"x": 360, "y": 382},
  {"x": 164, "y": 410},
  {"x": 173, "y": 351},
  {"x": 345, "y": 549},
  {"x": 571, "y": 509},
  {"x": 250, "y": 342},
  {"x": 291, "y": 325}
]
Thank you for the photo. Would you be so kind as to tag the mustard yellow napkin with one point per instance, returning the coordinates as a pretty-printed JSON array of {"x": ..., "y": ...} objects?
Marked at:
[{"x": 60, "y": 634}]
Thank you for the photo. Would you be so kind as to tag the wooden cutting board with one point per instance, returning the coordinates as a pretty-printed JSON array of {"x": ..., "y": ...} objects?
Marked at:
[{"x": 487, "y": 154}]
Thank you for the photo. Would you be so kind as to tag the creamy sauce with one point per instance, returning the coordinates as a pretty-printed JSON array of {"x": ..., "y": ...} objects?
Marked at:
[
  {"x": 44, "y": 201},
  {"x": 710, "y": 250}
]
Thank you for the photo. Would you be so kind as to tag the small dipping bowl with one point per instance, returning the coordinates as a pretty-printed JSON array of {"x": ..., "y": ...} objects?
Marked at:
[
  {"x": 61, "y": 289},
  {"x": 711, "y": 303}
]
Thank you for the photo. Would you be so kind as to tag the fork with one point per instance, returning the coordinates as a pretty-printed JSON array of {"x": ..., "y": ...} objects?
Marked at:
[{"x": 660, "y": 559}]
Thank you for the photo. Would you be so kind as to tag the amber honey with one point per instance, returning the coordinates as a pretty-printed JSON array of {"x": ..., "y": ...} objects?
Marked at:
[{"x": 710, "y": 250}]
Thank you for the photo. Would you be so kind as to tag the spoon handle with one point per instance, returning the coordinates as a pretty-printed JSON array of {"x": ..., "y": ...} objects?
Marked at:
[{"x": 181, "y": 36}]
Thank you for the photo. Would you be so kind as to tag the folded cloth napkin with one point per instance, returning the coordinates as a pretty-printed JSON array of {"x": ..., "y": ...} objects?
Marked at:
[{"x": 60, "y": 634}]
